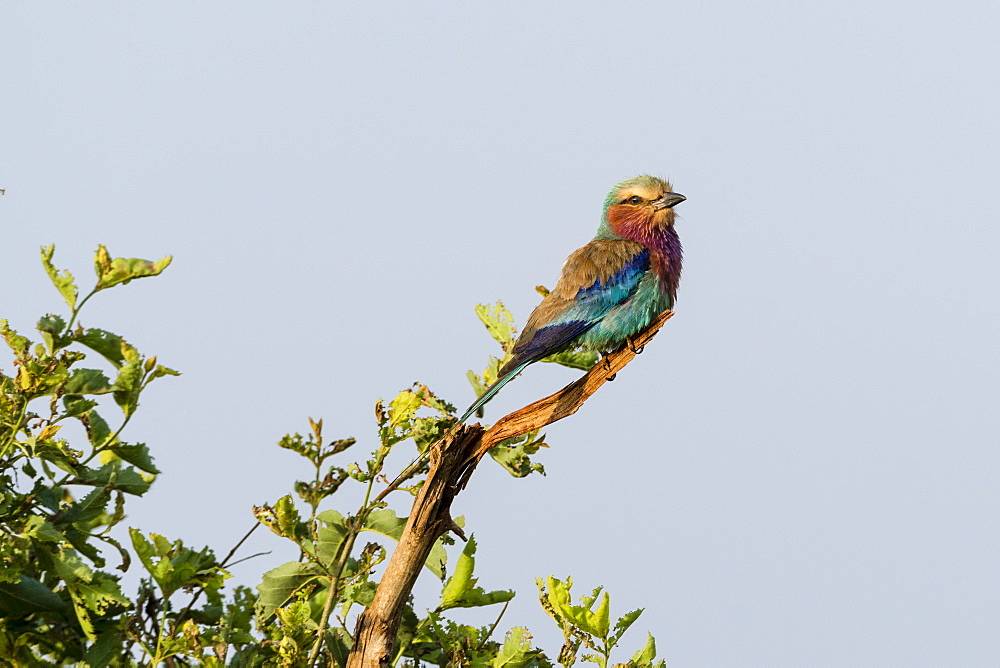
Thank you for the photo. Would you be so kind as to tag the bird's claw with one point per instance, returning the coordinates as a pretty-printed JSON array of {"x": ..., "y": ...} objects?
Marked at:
[
  {"x": 607, "y": 368},
  {"x": 631, "y": 346}
]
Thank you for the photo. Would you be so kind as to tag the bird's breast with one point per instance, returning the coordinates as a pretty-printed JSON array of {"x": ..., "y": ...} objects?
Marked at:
[{"x": 666, "y": 258}]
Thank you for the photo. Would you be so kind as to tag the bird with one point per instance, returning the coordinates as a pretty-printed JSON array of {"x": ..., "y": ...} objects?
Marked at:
[{"x": 611, "y": 288}]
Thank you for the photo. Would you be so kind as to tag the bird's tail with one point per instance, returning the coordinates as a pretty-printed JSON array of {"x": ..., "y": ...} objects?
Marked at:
[{"x": 492, "y": 390}]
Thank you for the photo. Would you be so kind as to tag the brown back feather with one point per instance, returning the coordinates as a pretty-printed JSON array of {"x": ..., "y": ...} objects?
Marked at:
[{"x": 599, "y": 260}]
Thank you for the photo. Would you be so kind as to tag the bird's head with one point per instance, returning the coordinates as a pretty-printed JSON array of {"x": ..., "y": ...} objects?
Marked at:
[{"x": 639, "y": 207}]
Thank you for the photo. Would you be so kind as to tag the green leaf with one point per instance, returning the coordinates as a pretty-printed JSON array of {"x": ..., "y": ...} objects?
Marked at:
[
  {"x": 130, "y": 353},
  {"x": 514, "y": 454},
  {"x": 403, "y": 407},
  {"x": 461, "y": 591},
  {"x": 127, "y": 386},
  {"x": 100, "y": 594},
  {"x": 477, "y": 384},
  {"x": 26, "y": 596},
  {"x": 71, "y": 568},
  {"x": 296, "y": 618},
  {"x": 59, "y": 453},
  {"x": 137, "y": 455},
  {"x": 361, "y": 593},
  {"x": 106, "y": 648},
  {"x": 429, "y": 430},
  {"x": 78, "y": 539},
  {"x": 499, "y": 323},
  {"x": 51, "y": 323},
  {"x": 283, "y": 519},
  {"x": 516, "y": 651},
  {"x": 582, "y": 617},
  {"x": 51, "y": 327},
  {"x": 76, "y": 406},
  {"x": 296, "y": 443},
  {"x": 143, "y": 548},
  {"x": 574, "y": 359},
  {"x": 49, "y": 497},
  {"x": 280, "y": 584},
  {"x": 98, "y": 430},
  {"x": 103, "y": 342},
  {"x": 461, "y": 581},
  {"x": 174, "y": 566},
  {"x": 111, "y": 272},
  {"x": 62, "y": 280},
  {"x": 646, "y": 655},
  {"x": 19, "y": 344},
  {"x": 38, "y": 528},
  {"x": 87, "y": 381},
  {"x": 385, "y": 522},
  {"x": 434, "y": 402},
  {"x": 97, "y": 598},
  {"x": 602, "y": 617},
  {"x": 621, "y": 626},
  {"x": 330, "y": 537},
  {"x": 160, "y": 371},
  {"x": 88, "y": 508},
  {"x": 95, "y": 594},
  {"x": 113, "y": 476},
  {"x": 554, "y": 594},
  {"x": 289, "y": 523}
]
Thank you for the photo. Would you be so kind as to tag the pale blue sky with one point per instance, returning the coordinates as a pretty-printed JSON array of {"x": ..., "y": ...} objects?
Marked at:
[{"x": 800, "y": 470}]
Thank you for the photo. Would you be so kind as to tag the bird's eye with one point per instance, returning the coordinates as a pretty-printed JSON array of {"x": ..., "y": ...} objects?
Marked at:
[{"x": 634, "y": 199}]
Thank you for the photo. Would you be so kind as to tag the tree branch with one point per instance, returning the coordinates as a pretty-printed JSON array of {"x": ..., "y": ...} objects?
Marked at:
[
  {"x": 430, "y": 518},
  {"x": 453, "y": 460},
  {"x": 568, "y": 400}
]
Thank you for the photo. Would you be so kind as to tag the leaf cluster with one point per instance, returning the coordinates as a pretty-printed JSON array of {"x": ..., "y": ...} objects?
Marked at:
[
  {"x": 66, "y": 473},
  {"x": 59, "y": 502},
  {"x": 590, "y": 627},
  {"x": 333, "y": 576}
]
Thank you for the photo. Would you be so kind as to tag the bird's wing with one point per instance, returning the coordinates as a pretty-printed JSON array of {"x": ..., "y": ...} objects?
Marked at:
[{"x": 595, "y": 279}]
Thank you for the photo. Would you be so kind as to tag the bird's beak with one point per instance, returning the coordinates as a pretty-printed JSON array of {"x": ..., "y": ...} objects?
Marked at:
[{"x": 669, "y": 200}]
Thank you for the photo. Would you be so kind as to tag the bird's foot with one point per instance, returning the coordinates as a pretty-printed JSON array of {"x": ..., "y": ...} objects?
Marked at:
[
  {"x": 607, "y": 368},
  {"x": 630, "y": 342},
  {"x": 611, "y": 377}
]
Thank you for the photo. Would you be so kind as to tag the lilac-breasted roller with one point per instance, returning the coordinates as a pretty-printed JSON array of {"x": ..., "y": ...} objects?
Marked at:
[{"x": 611, "y": 288}]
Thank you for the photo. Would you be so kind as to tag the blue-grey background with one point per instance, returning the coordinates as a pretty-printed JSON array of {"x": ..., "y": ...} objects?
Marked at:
[{"x": 800, "y": 470}]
